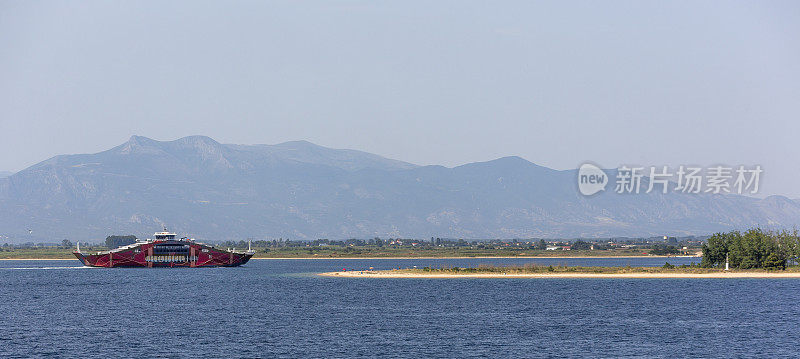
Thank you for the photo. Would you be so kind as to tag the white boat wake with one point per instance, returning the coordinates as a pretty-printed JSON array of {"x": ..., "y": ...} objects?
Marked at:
[{"x": 47, "y": 268}]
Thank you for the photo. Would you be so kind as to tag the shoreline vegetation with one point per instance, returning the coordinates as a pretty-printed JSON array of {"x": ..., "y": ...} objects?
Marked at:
[
  {"x": 399, "y": 248},
  {"x": 752, "y": 249},
  {"x": 66, "y": 253},
  {"x": 543, "y": 271}
]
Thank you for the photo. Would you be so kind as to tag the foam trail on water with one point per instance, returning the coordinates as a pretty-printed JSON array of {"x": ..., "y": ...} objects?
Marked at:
[{"x": 46, "y": 268}]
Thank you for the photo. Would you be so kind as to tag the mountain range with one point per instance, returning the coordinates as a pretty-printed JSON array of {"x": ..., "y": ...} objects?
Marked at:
[{"x": 298, "y": 190}]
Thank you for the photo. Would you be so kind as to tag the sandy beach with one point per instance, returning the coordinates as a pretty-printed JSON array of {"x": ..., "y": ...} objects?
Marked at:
[
  {"x": 400, "y": 274},
  {"x": 483, "y": 257},
  {"x": 378, "y": 258},
  {"x": 38, "y": 259}
]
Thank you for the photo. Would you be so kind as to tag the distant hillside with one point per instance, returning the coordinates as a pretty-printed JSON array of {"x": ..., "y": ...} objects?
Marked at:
[
  {"x": 4, "y": 174},
  {"x": 212, "y": 191}
]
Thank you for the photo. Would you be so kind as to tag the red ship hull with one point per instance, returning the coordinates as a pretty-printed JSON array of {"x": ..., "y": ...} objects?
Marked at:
[{"x": 170, "y": 253}]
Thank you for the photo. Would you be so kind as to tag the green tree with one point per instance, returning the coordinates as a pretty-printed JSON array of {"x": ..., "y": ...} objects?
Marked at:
[
  {"x": 750, "y": 250},
  {"x": 789, "y": 243},
  {"x": 716, "y": 249},
  {"x": 542, "y": 245},
  {"x": 775, "y": 261},
  {"x": 119, "y": 241},
  {"x": 581, "y": 245}
]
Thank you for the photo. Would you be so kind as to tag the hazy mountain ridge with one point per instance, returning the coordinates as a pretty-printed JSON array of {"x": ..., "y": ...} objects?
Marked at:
[{"x": 299, "y": 190}]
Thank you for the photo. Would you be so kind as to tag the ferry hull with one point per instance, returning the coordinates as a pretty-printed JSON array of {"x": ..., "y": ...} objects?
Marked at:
[{"x": 165, "y": 254}]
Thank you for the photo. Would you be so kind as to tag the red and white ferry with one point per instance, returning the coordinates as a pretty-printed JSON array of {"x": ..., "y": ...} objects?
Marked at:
[{"x": 165, "y": 250}]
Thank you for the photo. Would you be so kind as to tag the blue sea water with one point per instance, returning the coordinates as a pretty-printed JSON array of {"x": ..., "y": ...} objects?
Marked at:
[{"x": 280, "y": 308}]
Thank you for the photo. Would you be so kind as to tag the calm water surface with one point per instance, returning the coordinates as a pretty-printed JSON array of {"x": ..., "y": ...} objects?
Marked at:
[{"x": 279, "y": 308}]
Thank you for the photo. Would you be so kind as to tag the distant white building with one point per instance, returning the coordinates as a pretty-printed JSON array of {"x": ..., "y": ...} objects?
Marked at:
[{"x": 552, "y": 248}]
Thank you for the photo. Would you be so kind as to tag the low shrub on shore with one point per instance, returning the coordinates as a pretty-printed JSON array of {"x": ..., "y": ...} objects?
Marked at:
[{"x": 533, "y": 268}]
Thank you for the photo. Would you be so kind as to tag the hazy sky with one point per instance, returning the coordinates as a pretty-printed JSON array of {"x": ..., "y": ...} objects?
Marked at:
[{"x": 446, "y": 82}]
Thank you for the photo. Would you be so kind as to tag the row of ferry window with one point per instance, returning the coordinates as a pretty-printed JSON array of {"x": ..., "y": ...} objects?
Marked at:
[
  {"x": 172, "y": 248},
  {"x": 168, "y": 259},
  {"x": 137, "y": 250}
]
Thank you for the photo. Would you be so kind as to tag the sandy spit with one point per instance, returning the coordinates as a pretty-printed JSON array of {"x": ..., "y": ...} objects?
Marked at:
[
  {"x": 375, "y": 258},
  {"x": 489, "y": 257},
  {"x": 38, "y": 259},
  {"x": 389, "y": 274}
]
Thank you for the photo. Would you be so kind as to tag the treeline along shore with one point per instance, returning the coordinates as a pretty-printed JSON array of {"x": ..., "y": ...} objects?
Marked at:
[
  {"x": 401, "y": 248},
  {"x": 754, "y": 248}
]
